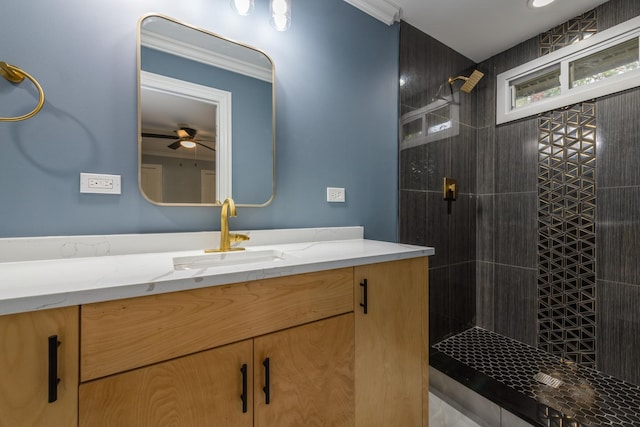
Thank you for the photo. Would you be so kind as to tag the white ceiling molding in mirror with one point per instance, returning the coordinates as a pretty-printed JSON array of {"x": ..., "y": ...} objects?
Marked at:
[
  {"x": 206, "y": 117},
  {"x": 238, "y": 61}
]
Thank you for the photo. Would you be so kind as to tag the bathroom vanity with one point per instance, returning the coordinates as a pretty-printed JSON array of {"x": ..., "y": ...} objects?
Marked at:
[{"x": 329, "y": 332}]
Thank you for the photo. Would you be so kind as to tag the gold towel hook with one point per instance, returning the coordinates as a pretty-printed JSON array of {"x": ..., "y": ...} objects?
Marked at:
[{"x": 17, "y": 75}]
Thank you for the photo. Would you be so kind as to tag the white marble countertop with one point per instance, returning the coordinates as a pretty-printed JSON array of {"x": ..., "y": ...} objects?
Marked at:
[{"x": 40, "y": 279}]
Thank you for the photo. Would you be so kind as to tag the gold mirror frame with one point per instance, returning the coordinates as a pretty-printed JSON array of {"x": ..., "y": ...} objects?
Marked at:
[{"x": 218, "y": 202}]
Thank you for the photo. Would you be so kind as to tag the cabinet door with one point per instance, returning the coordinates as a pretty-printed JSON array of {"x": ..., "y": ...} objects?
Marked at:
[
  {"x": 27, "y": 368},
  {"x": 203, "y": 389},
  {"x": 310, "y": 375},
  {"x": 391, "y": 370}
]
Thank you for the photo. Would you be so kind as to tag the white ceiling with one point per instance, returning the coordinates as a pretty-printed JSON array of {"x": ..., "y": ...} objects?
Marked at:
[{"x": 479, "y": 29}]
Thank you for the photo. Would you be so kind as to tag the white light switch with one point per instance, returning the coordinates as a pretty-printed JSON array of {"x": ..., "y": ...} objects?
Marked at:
[{"x": 100, "y": 183}]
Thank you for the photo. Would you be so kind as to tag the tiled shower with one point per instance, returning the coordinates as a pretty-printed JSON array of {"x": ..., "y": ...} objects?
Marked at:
[{"x": 543, "y": 242}]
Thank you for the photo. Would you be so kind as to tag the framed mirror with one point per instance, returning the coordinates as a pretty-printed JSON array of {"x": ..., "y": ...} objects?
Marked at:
[{"x": 206, "y": 117}]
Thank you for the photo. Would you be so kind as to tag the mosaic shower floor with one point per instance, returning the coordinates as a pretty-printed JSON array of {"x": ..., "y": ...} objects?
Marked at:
[{"x": 566, "y": 394}]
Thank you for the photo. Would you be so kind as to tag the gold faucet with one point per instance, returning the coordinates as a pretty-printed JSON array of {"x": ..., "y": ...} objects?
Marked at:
[{"x": 228, "y": 210}]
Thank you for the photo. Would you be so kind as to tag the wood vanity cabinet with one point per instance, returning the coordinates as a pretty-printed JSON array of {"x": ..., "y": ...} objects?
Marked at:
[
  {"x": 39, "y": 368},
  {"x": 297, "y": 350},
  {"x": 306, "y": 372},
  {"x": 176, "y": 359},
  {"x": 311, "y": 380},
  {"x": 391, "y": 342}
]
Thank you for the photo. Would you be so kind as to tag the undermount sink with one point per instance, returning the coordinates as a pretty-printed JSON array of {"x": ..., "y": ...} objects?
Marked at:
[{"x": 224, "y": 259}]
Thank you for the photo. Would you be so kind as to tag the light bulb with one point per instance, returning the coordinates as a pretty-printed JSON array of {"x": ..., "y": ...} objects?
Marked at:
[
  {"x": 187, "y": 144},
  {"x": 279, "y": 7},
  {"x": 539, "y": 3},
  {"x": 280, "y": 14},
  {"x": 242, "y": 7},
  {"x": 280, "y": 22}
]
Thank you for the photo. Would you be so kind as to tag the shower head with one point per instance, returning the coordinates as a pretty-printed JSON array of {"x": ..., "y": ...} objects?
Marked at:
[{"x": 469, "y": 82}]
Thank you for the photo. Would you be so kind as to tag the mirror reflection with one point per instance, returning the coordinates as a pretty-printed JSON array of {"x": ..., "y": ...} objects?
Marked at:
[{"x": 206, "y": 117}]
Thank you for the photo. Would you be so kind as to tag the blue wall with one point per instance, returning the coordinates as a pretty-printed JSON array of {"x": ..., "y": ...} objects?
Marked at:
[{"x": 336, "y": 94}]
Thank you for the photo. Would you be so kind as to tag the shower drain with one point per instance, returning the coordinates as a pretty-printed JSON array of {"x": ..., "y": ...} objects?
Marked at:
[{"x": 547, "y": 380}]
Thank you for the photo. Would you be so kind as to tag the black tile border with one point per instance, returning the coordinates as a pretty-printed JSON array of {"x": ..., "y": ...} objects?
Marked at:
[{"x": 503, "y": 396}]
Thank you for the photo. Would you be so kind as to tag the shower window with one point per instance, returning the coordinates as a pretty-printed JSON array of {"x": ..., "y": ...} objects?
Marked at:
[
  {"x": 619, "y": 59},
  {"x": 600, "y": 65},
  {"x": 534, "y": 88}
]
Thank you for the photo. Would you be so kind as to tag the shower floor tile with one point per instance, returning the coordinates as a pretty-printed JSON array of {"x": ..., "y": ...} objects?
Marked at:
[{"x": 566, "y": 394}]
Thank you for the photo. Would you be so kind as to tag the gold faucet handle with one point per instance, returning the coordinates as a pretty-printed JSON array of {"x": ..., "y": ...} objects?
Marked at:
[{"x": 237, "y": 237}]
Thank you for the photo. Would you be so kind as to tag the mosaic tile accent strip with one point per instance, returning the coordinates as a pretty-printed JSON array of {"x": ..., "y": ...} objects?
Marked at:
[
  {"x": 585, "y": 397},
  {"x": 570, "y": 32},
  {"x": 566, "y": 216},
  {"x": 566, "y": 233}
]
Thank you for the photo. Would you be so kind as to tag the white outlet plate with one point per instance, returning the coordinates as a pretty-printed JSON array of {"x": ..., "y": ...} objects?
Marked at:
[
  {"x": 100, "y": 183},
  {"x": 335, "y": 194}
]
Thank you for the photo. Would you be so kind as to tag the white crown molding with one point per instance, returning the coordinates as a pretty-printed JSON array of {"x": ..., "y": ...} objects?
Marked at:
[{"x": 383, "y": 10}]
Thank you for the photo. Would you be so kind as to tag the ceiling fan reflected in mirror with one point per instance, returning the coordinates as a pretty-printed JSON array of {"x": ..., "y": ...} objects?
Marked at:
[{"x": 186, "y": 138}]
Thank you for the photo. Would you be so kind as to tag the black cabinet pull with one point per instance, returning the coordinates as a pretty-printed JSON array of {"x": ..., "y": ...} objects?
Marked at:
[
  {"x": 364, "y": 304},
  {"x": 243, "y": 396},
  {"x": 53, "y": 368},
  {"x": 266, "y": 388}
]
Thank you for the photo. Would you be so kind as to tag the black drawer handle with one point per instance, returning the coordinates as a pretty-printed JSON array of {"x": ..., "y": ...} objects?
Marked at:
[
  {"x": 266, "y": 388},
  {"x": 243, "y": 396},
  {"x": 364, "y": 304},
  {"x": 53, "y": 368}
]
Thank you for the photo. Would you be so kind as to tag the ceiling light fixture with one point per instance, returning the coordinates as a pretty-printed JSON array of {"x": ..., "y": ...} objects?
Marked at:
[
  {"x": 242, "y": 7},
  {"x": 187, "y": 144},
  {"x": 539, "y": 3},
  {"x": 280, "y": 14}
]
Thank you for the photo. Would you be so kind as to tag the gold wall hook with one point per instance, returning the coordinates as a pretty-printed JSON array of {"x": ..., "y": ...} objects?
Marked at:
[{"x": 17, "y": 75}]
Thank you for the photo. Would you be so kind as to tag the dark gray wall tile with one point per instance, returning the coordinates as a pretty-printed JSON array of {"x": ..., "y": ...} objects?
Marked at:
[
  {"x": 516, "y": 229},
  {"x": 486, "y": 95},
  {"x": 486, "y": 160},
  {"x": 615, "y": 12},
  {"x": 437, "y": 233},
  {"x": 462, "y": 295},
  {"x": 618, "y": 326},
  {"x": 426, "y": 64},
  {"x": 618, "y": 136},
  {"x": 485, "y": 285},
  {"x": 463, "y": 159},
  {"x": 414, "y": 168},
  {"x": 440, "y": 319},
  {"x": 413, "y": 217},
  {"x": 462, "y": 229},
  {"x": 486, "y": 232},
  {"x": 618, "y": 235},
  {"x": 524, "y": 52},
  {"x": 516, "y": 156},
  {"x": 516, "y": 303},
  {"x": 439, "y": 163}
]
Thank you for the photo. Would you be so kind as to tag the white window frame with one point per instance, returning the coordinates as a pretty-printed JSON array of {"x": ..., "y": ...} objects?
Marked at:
[{"x": 505, "y": 112}]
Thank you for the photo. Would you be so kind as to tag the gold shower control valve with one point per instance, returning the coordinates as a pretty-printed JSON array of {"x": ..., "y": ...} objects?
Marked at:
[{"x": 450, "y": 189}]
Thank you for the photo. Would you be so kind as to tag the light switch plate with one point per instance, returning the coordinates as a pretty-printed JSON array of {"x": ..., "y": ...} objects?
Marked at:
[
  {"x": 335, "y": 194},
  {"x": 100, "y": 183}
]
